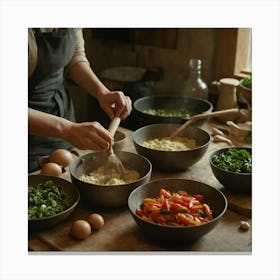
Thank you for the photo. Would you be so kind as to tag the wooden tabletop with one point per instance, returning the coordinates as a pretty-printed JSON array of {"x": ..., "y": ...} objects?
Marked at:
[{"x": 121, "y": 234}]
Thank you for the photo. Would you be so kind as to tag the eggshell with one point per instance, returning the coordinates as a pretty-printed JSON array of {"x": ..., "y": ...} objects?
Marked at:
[
  {"x": 96, "y": 221},
  {"x": 80, "y": 229},
  {"x": 61, "y": 157},
  {"x": 51, "y": 169}
]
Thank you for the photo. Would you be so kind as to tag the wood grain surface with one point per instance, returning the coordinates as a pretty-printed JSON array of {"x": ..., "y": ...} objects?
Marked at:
[{"x": 121, "y": 234}]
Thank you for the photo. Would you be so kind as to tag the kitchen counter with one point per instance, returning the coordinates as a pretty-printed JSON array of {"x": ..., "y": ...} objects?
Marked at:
[{"x": 121, "y": 234}]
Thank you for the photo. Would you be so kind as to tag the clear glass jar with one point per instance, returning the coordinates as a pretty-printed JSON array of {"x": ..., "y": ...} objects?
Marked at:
[{"x": 194, "y": 85}]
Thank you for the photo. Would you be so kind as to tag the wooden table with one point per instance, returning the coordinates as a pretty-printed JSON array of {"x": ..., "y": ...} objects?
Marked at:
[{"x": 121, "y": 234}]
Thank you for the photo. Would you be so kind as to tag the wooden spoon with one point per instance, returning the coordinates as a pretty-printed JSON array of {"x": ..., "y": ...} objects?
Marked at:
[{"x": 203, "y": 116}]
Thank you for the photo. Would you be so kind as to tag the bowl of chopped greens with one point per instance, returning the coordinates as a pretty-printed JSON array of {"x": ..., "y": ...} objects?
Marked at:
[
  {"x": 245, "y": 88},
  {"x": 169, "y": 109},
  {"x": 50, "y": 200},
  {"x": 176, "y": 210},
  {"x": 232, "y": 167}
]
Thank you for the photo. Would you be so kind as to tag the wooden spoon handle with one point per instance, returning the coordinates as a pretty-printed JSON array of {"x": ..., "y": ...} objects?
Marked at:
[
  {"x": 215, "y": 114},
  {"x": 114, "y": 125},
  {"x": 203, "y": 116}
]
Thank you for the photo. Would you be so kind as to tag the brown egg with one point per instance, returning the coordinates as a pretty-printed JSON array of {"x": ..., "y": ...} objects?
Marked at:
[
  {"x": 61, "y": 157},
  {"x": 80, "y": 229},
  {"x": 42, "y": 160},
  {"x": 51, "y": 169},
  {"x": 96, "y": 221}
]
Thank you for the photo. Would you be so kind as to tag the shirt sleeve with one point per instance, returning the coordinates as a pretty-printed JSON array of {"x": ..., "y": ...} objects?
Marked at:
[{"x": 79, "y": 53}]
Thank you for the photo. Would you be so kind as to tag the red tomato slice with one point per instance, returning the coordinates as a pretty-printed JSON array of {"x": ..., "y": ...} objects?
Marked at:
[
  {"x": 183, "y": 193},
  {"x": 199, "y": 197},
  {"x": 165, "y": 193},
  {"x": 139, "y": 212}
]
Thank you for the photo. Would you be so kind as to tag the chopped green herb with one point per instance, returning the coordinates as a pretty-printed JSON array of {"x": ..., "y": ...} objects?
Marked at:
[
  {"x": 46, "y": 199},
  {"x": 201, "y": 213},
  {"x": 181, "y": 113},
  {"x": 248, "y": 138},
  {"x": 235, "y": 160},
  {"x": 247, "y": 82}
]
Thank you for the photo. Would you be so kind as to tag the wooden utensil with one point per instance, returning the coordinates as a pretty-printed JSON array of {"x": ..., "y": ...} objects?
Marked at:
[
  {"x": 203, "y": 116},
  {"x": 113, "y": 167}
]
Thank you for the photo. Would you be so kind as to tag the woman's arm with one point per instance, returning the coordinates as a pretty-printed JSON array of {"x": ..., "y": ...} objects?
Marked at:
[
  {"x": 87, "y": 135},
  {"x": 82, "y": 74}
]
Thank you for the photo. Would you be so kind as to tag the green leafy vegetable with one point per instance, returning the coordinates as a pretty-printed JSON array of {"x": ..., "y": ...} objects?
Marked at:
[
  {"x": 248, "y": 138},
  {"x": 181, "y": 113},
  {"x": 247, "y": 82},
  {"x": 46, "y": 200},
  {"x": 235, "y": 160}
]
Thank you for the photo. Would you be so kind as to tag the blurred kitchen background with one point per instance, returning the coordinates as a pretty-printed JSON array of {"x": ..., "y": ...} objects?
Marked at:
[{"x": 156, "y": 62}]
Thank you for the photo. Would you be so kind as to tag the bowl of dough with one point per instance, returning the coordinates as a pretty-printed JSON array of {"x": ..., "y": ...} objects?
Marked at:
[
  {"x": 87, "y": 173},
  {"x": 171, "y": 155}
]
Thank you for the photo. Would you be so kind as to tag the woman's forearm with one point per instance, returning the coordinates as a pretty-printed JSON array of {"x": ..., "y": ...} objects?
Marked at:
[
  {"x": 82, "y": 74},
  {"x": 87, "y": 135},
  {"x": 43, "y": 124}
]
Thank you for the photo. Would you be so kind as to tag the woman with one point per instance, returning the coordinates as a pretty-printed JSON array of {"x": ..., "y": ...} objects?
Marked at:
[{"x": 53, "y": 56}]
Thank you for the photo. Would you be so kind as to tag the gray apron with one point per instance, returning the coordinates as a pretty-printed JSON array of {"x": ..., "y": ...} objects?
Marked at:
[{"x": 47, "y": 90}]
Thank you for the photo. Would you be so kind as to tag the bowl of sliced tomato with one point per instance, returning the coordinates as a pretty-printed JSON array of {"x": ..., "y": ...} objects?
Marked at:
[{"x": 176, "y": 210}]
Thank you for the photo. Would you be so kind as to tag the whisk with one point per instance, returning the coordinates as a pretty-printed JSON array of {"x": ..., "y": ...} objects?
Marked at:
[{"x": 113, "y": 167}]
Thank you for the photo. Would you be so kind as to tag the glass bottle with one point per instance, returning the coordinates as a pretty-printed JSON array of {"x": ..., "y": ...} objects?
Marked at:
[{"x": 194, "y": 85}]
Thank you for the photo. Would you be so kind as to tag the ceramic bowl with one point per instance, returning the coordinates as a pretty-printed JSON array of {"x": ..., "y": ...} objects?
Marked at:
[
  {"x": 108, "y": 195},
  {"x": 177, "y": 234},
  {"x": 191, "y": 104},
  {"x": 235, "y": 181},
  {"x": 245, "y": 91},
  {"x": 69, "y": 189},
  {"x": 171, "y": 161}
]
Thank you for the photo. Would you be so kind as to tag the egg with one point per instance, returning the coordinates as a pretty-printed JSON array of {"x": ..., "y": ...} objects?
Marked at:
[
  {"x": 42, "y": 160},
  {"x": 80, "y": 229},
  {"x": 61, "y": 157},
  {"x": 51, "y": 169},
  {"x": 96, "y": 221}
]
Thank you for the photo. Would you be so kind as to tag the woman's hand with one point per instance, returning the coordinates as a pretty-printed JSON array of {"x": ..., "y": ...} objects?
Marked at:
[
  {"x": 115, "y": 104},
  {"x": 89, "y": 136},
  {"x": 84, "y": 136}
]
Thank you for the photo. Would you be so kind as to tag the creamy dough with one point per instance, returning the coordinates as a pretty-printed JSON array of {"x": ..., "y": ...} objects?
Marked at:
[
  {"x": 167, "y": 144},
  {"x": 97, "y": 176}
]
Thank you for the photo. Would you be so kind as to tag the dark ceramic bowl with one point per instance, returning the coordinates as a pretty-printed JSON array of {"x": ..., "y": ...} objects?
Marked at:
[
  {"x": 104, "y": 195},
  {"x": 191, "y": 104},
  {"x": 173, "y": 234},
  {"x": 238, "y": 182},
  {"x": 245, "y": 91},
  {"x": 171, "y": 160},
  {"x": 67, "y": 188}
]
